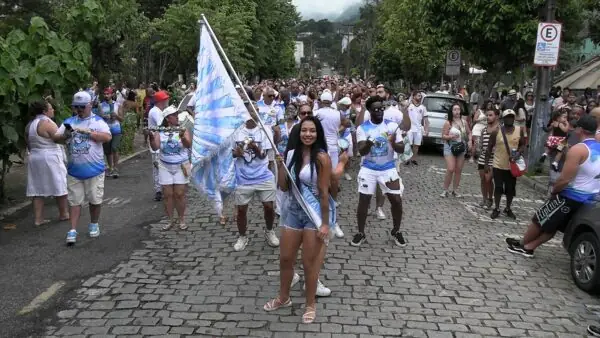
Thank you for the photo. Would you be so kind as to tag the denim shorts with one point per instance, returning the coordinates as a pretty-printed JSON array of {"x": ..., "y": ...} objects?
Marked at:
[
  {"x": 448, "y": 151},
  {"x": 296, "y": 218}
]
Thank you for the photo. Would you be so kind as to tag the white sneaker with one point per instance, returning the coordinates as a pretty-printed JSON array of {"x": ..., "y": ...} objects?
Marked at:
[
  {"x": 337, "y": 204},
  {"x": 337, "y": 231},
  {"x": 347, "y": 177},
  {"x": 444, "y": 194},
  {"x": 272, "y": 239},
  {"x": 322, "y": 290},
  {"x": 241, "y": 243},
  {"x": 380, "y": 214},
  {"x": 295, "y": 280}
]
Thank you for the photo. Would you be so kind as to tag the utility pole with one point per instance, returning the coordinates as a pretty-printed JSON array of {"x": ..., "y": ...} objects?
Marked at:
[
  {"x": 543, "y": 109},
  {"x": 347, "y": 35}
]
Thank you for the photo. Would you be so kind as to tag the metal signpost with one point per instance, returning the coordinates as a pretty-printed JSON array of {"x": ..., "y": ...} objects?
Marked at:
[
  {"x": 547, "y": 49},
  {"x": 453, "y": 63}
]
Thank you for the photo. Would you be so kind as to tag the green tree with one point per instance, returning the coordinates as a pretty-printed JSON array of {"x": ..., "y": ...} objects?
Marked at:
[
  {"x": 273, "y": 42},
  {"x": 18, "y": 13},
  {"x": 114, "y": 29},
  {"x": 499, "y": 35},
  {"x": 33, "y": 64},
  {"x": 233, "y": 23},
  {"x": 406, "y": 47}
]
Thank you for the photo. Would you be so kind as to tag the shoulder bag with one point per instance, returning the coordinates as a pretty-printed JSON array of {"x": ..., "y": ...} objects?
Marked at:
[
  {"x": 518, "y": 167},
  {"x": 458, "y": 148}
]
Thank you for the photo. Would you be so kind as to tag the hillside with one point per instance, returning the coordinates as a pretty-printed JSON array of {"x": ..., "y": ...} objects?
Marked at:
[{"x": 350, "y": 14}]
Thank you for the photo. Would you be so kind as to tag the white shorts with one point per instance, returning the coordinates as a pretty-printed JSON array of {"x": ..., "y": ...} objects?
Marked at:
[
  {"x": 350, "y": 150},
  {"x": 90, "y": 190},
  {"x": 368, "y": 179},
  {"x": 335, "y": 158},
  {"x": 415, "y": 138},
  {"x": 169, "y": 174}
]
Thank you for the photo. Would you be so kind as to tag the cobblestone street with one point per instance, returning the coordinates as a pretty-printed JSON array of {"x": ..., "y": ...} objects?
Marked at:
[{"x": 455, "y": 278}]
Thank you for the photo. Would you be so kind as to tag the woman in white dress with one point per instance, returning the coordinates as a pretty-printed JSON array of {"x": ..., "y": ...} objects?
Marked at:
[{"x": 46, "y": 171}]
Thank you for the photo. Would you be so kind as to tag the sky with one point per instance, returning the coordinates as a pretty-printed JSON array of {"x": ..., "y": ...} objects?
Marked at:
[{"x": 309, "y": 7}]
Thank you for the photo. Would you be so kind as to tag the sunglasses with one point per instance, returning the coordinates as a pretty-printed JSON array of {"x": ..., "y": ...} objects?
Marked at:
[
  {"x": 78, "y": 107},
  {"x": 305, "y": 112}
]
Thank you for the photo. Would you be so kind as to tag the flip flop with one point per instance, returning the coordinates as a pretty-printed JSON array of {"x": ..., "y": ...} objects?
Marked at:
[
  {"x": 309, "y": 316},
  {"x": 44, "y": 222},
  {"x": 62, "y": 219},
  {"x": 10, "y": 227},
  {"x": 223, "y": 220}
]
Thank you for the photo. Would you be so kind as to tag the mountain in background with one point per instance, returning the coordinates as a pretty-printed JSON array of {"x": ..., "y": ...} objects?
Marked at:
[{"x": 349, "y": 14}]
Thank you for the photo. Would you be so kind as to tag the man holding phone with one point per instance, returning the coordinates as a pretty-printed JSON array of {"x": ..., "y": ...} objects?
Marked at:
[{"x": 84, "y": 133}]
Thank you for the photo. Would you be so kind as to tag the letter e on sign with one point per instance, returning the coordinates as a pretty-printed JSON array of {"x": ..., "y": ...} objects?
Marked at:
[{"x": 547, "y": 44}]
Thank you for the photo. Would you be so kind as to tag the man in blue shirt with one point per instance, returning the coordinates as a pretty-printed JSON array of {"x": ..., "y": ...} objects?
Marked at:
[
  {"x": 254, "y": 179},
  {"x": 84, "y": 135}
]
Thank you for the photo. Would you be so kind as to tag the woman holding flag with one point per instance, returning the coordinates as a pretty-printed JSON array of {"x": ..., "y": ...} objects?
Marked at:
[{"x": 309, "y": 214}]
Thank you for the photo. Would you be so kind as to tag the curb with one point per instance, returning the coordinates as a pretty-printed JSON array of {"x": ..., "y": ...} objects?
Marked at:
[
  {"x": 22, "y": 205},
  {"x": 541, "y": 188}
]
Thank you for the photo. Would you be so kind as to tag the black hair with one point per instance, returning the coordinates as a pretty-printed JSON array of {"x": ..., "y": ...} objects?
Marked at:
[
  {"x": 373, "y": 99},
  {"x": 37, "y": 107},
  {"x": 131, "y": 95},
  {"x": 520, "y": 105},
  {"x": 317, "y": 147},
  {"x": 450, "y": 115},
  {"x": 486, "y": 102}
]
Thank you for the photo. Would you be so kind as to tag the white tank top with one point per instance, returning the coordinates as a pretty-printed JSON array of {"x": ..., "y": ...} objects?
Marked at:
[
  {"x": 331, "y": 121},
  {"x": 585, "y": 187},
  {"x": 172, "y": 150},
  {"x": 38, "y": 143}
]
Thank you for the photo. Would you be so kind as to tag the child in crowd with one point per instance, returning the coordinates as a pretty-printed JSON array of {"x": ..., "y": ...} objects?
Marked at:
[{"x": 557, "y": 140}]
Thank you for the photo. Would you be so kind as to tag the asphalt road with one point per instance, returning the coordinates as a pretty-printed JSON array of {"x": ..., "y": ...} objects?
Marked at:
[{"x": 32, "y": 259}]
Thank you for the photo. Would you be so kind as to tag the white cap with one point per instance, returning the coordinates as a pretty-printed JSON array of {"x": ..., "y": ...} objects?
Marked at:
[
  {"x": 326, "y": 96},
  {"x": 345, "y": 101},
  {"x": 508, "y": 112},
  {"x": 183, "y": 86},
  {"x": 168, "y": 111}
]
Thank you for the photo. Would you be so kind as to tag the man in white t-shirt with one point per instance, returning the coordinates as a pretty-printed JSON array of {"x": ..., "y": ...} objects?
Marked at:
[
  {"x": 419, "y": 126},
  {"x": 155, "y": 119},
  {"x": 333, "y": 122},
  {"x": 378, "y": 141},
  {"x": 84, "y": 133},
  {"x": 254, "y": 179},
  {"x": 394, "y": 114}
]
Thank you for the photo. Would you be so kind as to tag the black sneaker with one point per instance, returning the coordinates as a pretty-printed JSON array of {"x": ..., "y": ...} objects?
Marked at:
[
  {"x": 398, "y": 238},
  {"x": 414, "y": 162},
  {"x": 407, "y": 163},
  {"x": 358, "y": 239},
  {"x": 593, "y": 330},
  {"x": 512, "y": 241},
  {"x": 158, "y": 196},
  {"x": 495, "y": 214},
  {"x": 115, "y": 173},
  {"x": 509, "y": 213},
  {"x": 543, "y": 158},
  {"x": 520, "y": 250},
  {"x": 554, "y": 166}
]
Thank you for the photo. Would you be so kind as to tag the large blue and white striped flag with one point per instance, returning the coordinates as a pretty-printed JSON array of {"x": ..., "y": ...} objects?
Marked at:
[{"x": 219, "y": 114}]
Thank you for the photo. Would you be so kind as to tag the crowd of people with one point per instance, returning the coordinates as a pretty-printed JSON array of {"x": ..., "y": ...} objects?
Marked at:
[{"x": 314, "y": 131}]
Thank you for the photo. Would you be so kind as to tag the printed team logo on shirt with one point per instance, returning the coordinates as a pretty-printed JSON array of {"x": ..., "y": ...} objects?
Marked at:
[
  {"x": 380, "y": 146},
  {"x": 171, "y": 145},
  {"x": 80, "y": 144},
  {"x": 249, "y": 154}
]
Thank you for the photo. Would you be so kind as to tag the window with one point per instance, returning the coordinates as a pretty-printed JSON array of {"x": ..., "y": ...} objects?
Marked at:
[{"x": 443, "y": 104}]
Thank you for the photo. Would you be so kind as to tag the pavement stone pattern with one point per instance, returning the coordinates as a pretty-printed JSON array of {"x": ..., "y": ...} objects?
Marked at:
[{"x": 454, "y": 279}]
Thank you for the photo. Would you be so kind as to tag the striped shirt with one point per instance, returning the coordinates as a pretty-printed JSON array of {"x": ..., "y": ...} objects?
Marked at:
[{"x": 485, "y": 141}]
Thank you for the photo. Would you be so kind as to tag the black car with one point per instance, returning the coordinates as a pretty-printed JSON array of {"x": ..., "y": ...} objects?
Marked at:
[{"x": 582, "y": 240}]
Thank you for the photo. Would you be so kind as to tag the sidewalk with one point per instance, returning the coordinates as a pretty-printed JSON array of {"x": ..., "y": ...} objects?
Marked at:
[{"x": 16, "y": 181}]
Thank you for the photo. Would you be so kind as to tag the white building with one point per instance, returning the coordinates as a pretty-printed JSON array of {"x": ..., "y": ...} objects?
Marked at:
[{"x": 299, "y": 52}]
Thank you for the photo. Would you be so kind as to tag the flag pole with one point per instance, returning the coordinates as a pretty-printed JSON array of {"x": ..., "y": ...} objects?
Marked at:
[{"x": 204, "y": 22}]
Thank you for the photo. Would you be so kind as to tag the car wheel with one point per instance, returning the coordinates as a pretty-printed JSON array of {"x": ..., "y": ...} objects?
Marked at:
[{"x": 585, "y": 262}]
